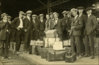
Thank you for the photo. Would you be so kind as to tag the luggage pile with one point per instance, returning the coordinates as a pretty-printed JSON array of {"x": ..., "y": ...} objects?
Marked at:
[
  {"x": 52, "y": 49},
  {"x": 57, "y": 55}
]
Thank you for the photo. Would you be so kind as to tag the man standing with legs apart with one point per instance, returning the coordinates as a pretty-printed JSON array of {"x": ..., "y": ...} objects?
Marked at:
[{"x": 18, "y": 26}]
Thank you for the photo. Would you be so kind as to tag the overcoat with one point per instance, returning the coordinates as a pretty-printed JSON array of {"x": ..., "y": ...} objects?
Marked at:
[{"x": 35, "y": 30}]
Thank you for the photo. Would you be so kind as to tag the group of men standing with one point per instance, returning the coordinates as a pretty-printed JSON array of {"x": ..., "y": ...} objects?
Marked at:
[
  {"x": 75, "y": 25},
  {"x": 83, "y": 32}
]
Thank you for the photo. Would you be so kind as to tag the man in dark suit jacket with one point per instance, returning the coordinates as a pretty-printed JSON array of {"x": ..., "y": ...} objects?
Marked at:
[
  {"x": 35, "y": 28},
  {"x": 90, "y": 27},
  {"x": 27, "y": 29},
  {"x": 18, "y": 26},
  {"x": 65, "y": 25},
  {"x": 83, "y": 18},
  {"x": 41, "y": 26},
  {"x": 57, "y": 25},
  {"x": 76, "y": 32},
  {"x": 4, "y": 35},
  {"x": 51, "y": 20}
]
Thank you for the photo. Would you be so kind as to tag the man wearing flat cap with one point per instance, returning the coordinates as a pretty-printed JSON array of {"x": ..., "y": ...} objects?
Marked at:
[
  {"x": 34, "y": 32},
  {"x": 65, "y": 23},
  {"x": 57, "y": 25},
  {"x": 64, "y": 13},
  {"x": 51, "y": 20},
  {"x": 4, "y": 36},
  {"x": 83, "y": 19},
  {"x": 17, "y": 24},
  {"x": 27, "y": 30},
  {"x": 76, "y": 27},
  {"x": 90, "y": 27},
  {"x": 35, "y": 28},
  {"x": 41, "y": 26}
]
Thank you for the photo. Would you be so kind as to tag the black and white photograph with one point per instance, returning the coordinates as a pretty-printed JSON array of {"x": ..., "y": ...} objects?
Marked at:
[{"x": 49, "y": 32}]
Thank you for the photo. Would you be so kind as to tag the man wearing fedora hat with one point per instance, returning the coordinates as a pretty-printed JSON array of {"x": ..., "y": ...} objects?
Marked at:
[
  {"x": 18, "y": 26},
  {"x": 27, "y": 30},
  {"x": 90, "y": 27}
]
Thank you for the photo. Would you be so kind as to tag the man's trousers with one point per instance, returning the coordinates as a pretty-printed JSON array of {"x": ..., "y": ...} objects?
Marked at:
[
  {"x": 89, "y": 44},
  {"x": 76, "y": 44},
  {"x": 19, "y": 39}
]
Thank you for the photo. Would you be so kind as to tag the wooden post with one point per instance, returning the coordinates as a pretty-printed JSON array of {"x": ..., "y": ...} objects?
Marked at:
[{"x": 48, "y": 6}]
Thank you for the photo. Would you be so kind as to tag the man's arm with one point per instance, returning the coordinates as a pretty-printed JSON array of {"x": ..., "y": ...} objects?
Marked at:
[{"x": 94, "y": 20}]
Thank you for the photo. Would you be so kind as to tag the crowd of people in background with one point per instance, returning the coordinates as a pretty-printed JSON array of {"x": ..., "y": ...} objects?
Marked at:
[{"x": 74, "y": 25}]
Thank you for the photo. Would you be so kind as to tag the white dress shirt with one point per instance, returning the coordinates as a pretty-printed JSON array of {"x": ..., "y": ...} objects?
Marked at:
[{"x": 21, "y": 23}]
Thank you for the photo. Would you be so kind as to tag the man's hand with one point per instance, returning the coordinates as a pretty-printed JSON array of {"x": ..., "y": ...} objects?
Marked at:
[
  {"x": 73, "y": 27},
  {"x": 18, "y": 28},
  {"x": 25, "y": 30},
  {"x": 7, "y": 30}
]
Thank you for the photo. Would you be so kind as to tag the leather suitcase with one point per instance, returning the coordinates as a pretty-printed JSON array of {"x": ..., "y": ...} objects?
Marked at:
[
  {"x": 50, "y": 33},
  {"x": 69, "y": 57},
  {"x": 44, "y": 52},
  {"x": 38, "y": 50},
  {"x": 66, "y": 43},
  {"x": 53, "y": 55}
]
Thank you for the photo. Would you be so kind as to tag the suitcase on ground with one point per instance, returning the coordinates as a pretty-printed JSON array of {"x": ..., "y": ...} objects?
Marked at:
[
  {"x": 51, "y": 42},
  {"x": 69, "y": 56},
  {"x": 44, "y": 52},
  {"x": 50, "y": 33},
  {"x": 53, "y": 55},
  {"x": 66, "y": 43},
  {"x": 58, "y": 45},
  {"x": 38, "y": 50}
]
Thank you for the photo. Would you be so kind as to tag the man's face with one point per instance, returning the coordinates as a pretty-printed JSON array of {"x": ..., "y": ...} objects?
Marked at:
[
  {"x": 21, "y": 15},
  {"x": 41, "y": 17},
  {"x": 5, "y": 17},
  {"x": 51, "y": 16},
  {"x": 74, "y": 13},
  {"x": 9, "y": 19},
  {"x": 33, "y": 17},
  {"x": 29, "y": 14},
  {"x": 69, "y": 15},
  {"x": 64, "y": 15},
  {"x": 80, "y": 10},
  {"x": 47, "y": 16},
  {"x": 24, "y": 16},
  {"x": 55, "y": 15},
  {"x": 89, "y": 11}
]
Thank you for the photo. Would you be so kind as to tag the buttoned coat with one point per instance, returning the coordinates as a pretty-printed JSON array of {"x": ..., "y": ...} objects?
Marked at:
[
  {"x": 77, "y": 25},
  {"x": 4, "y": 30},
  {"x": 90, "y": 25}
]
